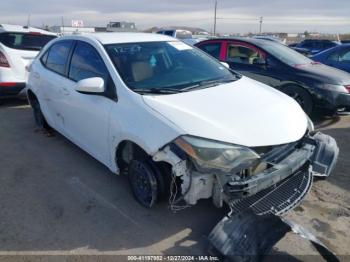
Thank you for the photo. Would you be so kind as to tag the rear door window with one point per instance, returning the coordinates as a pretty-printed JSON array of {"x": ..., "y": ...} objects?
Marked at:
[
  {"x": 25, "y": 41},
  {"x": 57, "y": 56},
  {"x": 86, "y": 63},
  {"x": 212, "y": 49}
]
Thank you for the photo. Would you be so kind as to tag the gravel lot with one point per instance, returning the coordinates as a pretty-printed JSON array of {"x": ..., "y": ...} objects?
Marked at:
[{"x": 56, "y": 199}]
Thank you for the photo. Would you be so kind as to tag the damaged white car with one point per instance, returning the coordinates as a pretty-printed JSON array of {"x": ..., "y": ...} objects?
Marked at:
[{"x": 180, "y": 124}]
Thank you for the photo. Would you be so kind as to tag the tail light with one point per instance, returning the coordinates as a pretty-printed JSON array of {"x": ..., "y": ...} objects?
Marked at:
[
  {"x": 3, "y": 60},
  {"x": 347, "y": 87}
]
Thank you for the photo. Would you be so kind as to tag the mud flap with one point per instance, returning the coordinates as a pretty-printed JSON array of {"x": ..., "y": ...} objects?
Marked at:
[
  {"x": 249, "y": 237},
  {"x": 325, "y": 155}
]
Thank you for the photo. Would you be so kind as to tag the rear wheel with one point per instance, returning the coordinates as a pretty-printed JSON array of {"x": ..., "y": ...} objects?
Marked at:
[
  {"x": 300, "y": 95},
  {"x": 39, "y": 118}
]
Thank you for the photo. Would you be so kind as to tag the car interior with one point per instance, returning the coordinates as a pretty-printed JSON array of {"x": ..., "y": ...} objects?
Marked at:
[{"x": 242, "y": 55}]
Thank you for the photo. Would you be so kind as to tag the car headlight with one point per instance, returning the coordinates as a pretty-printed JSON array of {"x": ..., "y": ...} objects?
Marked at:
[
  {"x": 336, "y": 88},
  {"x": 210, "y": 154}
]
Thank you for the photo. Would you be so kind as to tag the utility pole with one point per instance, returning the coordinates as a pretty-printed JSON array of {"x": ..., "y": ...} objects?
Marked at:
[
  {"x": 216, "y": 5},
  {"x": 28, "y": 21},
  {"x": 62, "y": 25},
  {"x": 261, "y": 21}
]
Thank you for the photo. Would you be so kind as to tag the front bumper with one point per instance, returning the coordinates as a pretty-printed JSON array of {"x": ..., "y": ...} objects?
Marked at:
[
  {"x": 10, "y": 89},
  {"x": 332, "y": 101},
  {"x": 316, "y": 154}
]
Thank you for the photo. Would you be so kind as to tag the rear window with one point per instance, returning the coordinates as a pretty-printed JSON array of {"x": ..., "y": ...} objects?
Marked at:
[
  {"x": 57, "y": 57},
  {"x": 25, "y": 41}
]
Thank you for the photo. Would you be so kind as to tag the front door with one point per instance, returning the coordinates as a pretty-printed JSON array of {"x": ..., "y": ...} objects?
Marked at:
[
  {"x": 86, "y": 116},
  {"x": 250, "y": 61}
]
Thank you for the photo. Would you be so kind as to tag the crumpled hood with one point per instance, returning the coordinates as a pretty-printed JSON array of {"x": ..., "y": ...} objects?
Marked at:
[{"x": 244, "y": 112}]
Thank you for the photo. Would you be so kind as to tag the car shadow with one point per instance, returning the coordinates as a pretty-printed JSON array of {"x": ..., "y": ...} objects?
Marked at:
[{"x": 11, "y": 102}]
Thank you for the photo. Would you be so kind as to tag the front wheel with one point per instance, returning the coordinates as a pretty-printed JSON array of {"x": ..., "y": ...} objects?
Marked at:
[
  {"x": 143, "y": 182},
  {"x": 300, "y": 95}
]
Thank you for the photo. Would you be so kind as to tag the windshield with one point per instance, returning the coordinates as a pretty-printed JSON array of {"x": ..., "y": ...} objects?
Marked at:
[
  {"x": 286, "y": 54},
  {"x": 167, "y": 66},
  {"x": 25, "y": 41}
]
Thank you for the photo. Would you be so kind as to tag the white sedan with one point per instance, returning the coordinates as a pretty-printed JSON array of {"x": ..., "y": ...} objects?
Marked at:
[{"x": 179, "y": 123}]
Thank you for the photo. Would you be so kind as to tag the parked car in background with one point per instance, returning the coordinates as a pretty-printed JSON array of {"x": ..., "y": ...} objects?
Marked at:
[
  {"x": 313, "y": 85},
  {"x": 314, "y": 46},
  {"x": 176, "y": 33},
  {"x": 173, "y": 118},
  {"x": 338, "y": 57},
  {"x": 270, "y": 38},
  {"x": 183, "y": 35},
  {"x": 18, "y": 47}
]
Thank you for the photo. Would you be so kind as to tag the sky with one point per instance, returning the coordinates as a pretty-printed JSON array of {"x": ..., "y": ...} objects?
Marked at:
[{"x": 234, "y": 16}]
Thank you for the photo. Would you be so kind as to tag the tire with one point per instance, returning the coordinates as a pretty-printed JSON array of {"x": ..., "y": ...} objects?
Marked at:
[
  {"x": 143, "y": 182},
  {"x": 39, "y": 118},
  {"x": 300, "y": 95}
]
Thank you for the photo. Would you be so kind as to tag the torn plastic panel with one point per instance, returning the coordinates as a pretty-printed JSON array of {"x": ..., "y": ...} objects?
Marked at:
[
  {"x": 247, "y": 236},
  {"x": 325, "y": 155}
]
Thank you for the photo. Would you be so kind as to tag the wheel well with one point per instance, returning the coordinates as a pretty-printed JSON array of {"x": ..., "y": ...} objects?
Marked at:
[
  {"x": 128, "y": 150},
  {"x": 298, "y": 86}
]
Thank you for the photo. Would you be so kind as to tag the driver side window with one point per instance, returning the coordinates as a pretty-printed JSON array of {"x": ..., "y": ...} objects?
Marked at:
[
  {"x": 87, "y": 63},
  {"x": 243, "y": 55}
]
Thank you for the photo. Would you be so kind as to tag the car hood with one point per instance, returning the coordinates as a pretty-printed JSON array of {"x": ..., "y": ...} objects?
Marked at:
[
  {"x": 244, "y": 112},
  {"x": 325, "y": 74}
]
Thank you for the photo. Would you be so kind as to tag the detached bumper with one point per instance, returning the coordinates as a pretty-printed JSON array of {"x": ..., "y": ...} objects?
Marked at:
[{"x": 8, "y": 89}]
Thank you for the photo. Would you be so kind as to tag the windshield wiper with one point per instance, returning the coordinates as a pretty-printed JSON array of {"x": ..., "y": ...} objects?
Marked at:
[
  {"x": 156, "y": 91},
  {"x": 206, "y": 84}
]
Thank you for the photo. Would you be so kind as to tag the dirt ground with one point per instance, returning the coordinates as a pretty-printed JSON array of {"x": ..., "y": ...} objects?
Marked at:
[{"x": 57, "y": 200}]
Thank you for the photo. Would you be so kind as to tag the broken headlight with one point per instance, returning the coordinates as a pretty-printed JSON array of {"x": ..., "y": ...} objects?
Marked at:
[{"x": 210, "y": 154}]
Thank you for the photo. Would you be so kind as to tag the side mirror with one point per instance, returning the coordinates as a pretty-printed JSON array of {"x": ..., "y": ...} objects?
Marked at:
[
  {"x": 93, "y": 85},
  {"x": 225, "y": 64}
]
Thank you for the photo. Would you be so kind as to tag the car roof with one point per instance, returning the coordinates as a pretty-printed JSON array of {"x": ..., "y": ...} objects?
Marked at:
[
  {"x": 254, "y": 41},
  {"x": 23, "y": 29},
  {"x": 320, "y": 40},
  {"x": 121, "y": 37}
]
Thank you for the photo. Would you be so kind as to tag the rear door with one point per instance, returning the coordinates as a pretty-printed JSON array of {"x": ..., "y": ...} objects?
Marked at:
[
  {"x": 21, "y": 49},
  {"x": 51, "y": 73}
]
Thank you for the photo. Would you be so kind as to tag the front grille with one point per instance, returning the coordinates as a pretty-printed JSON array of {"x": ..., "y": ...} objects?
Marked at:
[{"x": 279, "y": 198}]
